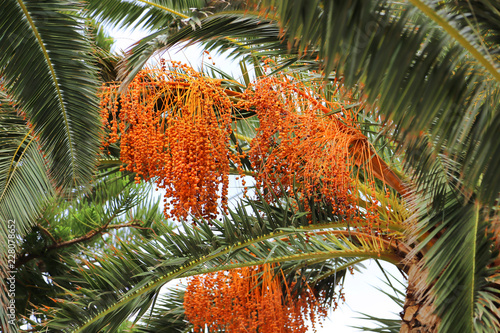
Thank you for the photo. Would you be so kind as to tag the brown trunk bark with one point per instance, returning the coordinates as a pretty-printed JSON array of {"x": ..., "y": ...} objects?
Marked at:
[{"x": 417, "y": 315}]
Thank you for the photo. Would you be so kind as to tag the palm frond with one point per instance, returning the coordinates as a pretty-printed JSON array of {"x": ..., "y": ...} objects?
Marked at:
[
  {"x": 168, "y": 314},
  {"x": 451, "y": 229},
  {"x": 218, "y": 26},
  {"x": 24, "y": 186},
  {"x": 458, "y": 264},
  {"x": 149, "y": 15},
  {"x": 128, "y": 281},
  {"x": 45, "y": 67},
  {"x": 468, "y": 35},
  {"x": 115, "y": 209}
]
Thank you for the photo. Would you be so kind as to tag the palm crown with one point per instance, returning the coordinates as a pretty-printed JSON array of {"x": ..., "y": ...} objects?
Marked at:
[{"x": 429, "y": 73}]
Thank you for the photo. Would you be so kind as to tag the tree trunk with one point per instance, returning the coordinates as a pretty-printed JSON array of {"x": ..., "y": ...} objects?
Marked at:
[{"x": 417, "y": 315}]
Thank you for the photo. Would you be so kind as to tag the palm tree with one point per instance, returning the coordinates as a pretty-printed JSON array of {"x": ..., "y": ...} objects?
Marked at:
[{"x": 429, "y": 70}]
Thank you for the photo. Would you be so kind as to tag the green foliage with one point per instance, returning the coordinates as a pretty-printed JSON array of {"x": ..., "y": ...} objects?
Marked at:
[
  {"x": 167, "y": 316},
  {"x": 126, "y": 283},
  {"x": 429, "y": 68},
  {"x": 24, "y": 184},
  {"x": 129, "y": 14},
  {"x": 38, "y": 40},
  {"x": 46, "y": 73},
  {"x": 116, "y": 209}
]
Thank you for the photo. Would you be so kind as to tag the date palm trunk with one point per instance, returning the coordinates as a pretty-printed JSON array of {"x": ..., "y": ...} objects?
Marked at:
[{"x": 417, "y": 315}]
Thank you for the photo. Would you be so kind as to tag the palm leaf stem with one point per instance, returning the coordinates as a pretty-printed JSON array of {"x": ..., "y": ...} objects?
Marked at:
[
  {"x": 320, "y": 256},
  {"x": 54, "y": 78},
  {"x": 183, "y": 270},
  {"x": 23, "y": 259},
  {"x": 164, "y": 8},
  {"x": 110, "y": 162},
  {"x": 17, "y": 150},
  {"x": 339, "y": 268},
  {"x": 17, "y": 164},
  {"x": 401, "y": 247}
]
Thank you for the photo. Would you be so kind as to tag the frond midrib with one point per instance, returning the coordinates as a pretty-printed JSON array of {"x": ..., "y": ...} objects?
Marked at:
[
  {"x": 170, "y": 10},
  {"x": 54, "y": 79},
  {"x": 387, "y": 255}
]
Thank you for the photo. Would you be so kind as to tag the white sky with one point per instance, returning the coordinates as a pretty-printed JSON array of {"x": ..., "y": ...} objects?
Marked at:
[{"x": 360, "y": 289}]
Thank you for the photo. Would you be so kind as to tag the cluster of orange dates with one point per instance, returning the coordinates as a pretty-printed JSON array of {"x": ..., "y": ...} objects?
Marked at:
[
  {"x": 300, "y": 144},
  {"x": 250, "y": 299},
  {"x": 174, "y": 126}
]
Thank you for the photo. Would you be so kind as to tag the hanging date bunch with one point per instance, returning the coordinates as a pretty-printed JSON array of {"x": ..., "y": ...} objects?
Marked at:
[
  {"x": 306, "y": 143},
  {"x": 173, "y": 127},
  {"x": 250, "y": 299}
]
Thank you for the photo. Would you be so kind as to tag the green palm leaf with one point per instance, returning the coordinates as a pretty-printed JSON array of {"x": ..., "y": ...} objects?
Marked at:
[
  {"x": 24, "y": 185},
  {"x": 45, "y": 65},
  {"x": 125, "y": 284},
  {"x": 256, "y": 32},
  {"x": 459, "y": 265},
  {"x": 167, "y": 316},
  {"x": 45, "y": 70},
  {"x": 144, "y": 14},
  {"x": 116, "y": 208}
]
